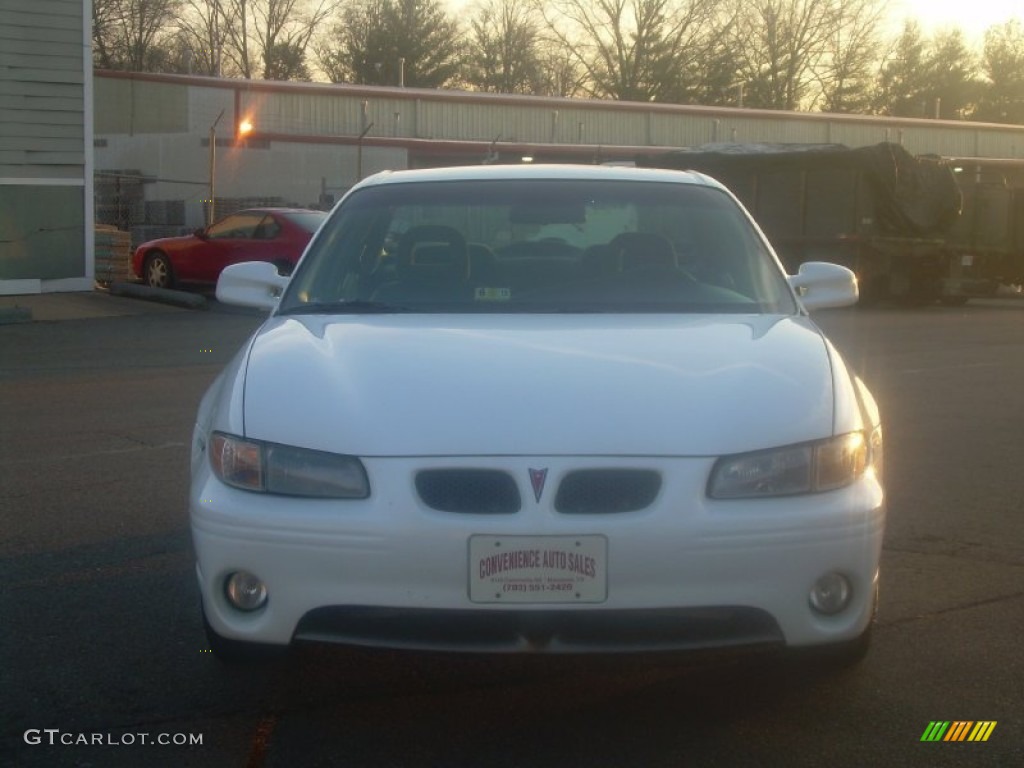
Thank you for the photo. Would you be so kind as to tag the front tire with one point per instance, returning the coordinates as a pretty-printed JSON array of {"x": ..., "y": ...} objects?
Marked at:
[
  {"x": 238, "y": 652},
  {"x": 157, "y": 271},
  {"x": 837, "y": 657}
]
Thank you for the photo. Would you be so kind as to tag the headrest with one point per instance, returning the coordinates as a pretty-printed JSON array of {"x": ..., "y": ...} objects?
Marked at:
[
  {"x": 641, "y": 250},
  {"x": 435, "y": 251}
]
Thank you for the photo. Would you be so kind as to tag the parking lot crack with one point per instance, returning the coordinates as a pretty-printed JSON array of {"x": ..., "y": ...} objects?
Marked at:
[{"x": 1014, "y": 596}]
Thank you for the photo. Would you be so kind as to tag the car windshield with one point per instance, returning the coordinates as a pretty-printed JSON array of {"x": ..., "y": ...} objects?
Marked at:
[
  {"x": 538, "y": 245},
  {"x": 307, "y": 220}
]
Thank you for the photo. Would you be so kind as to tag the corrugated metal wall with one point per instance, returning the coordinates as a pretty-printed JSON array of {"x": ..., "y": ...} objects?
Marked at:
[{"x": 166, "y": 104}]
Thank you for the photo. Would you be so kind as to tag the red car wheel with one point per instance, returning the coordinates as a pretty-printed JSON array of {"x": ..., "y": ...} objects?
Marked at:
[{"x": 157, "y": 271}]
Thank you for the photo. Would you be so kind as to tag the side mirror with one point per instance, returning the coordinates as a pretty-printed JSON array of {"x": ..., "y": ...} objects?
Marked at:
[
  {"x": 821, "y": 285},
  {"x": 251, "y": 284},
  {"x": 201, "y": 234}
]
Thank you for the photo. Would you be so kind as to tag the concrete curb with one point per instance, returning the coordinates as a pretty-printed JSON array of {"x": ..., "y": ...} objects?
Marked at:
[
  {"x": 162, "y": 295},
  {"x": 11, "y": 315}
]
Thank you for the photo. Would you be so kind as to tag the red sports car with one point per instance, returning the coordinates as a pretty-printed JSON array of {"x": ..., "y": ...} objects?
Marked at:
[{"x": 277, "y": 235}]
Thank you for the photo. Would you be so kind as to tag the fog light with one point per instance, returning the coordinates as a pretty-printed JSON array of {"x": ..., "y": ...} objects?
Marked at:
[
  {"x": 831, "y": 593},
  {"x": 245, "y": 591}
]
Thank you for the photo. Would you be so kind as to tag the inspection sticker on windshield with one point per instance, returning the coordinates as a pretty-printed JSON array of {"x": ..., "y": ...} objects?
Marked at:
[
  {"x": 493, "y": 294},
  {"x": 538, "y": 569}
]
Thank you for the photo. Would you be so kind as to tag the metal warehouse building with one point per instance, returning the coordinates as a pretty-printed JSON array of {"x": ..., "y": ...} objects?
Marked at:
[
  {"x": 161, "y": 144},
  {"x": 311, "y": 142},
  {"x": 46, "y": 193}
]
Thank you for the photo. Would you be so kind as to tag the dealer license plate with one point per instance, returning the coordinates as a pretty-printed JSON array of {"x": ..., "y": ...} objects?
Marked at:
[{"x": 538, "y": 569}]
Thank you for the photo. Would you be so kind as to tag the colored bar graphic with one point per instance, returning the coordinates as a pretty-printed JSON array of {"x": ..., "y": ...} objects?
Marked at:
[
  {"x": 958, "y": 730},
  {"x": 982, "y": 730}
]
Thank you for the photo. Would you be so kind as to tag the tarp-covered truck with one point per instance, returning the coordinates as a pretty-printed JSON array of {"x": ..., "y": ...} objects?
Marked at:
[
  {"x": 987, "y": 240},
  {"x": 878, "y": 210}
]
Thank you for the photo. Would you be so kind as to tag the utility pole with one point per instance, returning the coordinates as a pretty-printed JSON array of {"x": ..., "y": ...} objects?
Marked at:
[{"x": 213, "y": 168}]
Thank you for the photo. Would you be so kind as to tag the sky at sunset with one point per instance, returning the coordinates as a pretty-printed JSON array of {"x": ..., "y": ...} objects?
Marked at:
[{"x": 973, "y": 16}]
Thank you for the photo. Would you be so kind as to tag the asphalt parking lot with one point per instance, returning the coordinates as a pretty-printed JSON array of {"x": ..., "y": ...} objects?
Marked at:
[{"x": 101, "y": 634}]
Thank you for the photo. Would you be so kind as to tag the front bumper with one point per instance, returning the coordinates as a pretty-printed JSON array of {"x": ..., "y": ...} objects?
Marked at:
[{"x": 687, "y": 572}]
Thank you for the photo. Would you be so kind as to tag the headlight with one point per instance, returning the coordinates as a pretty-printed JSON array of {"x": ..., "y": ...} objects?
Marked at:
[
  {"x": 797, "y": 469},
  {"x": 253, "y": 465}
]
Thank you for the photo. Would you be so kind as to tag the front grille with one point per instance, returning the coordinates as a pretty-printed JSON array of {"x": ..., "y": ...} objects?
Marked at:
[
  {"x": 469, "y": 491},
  {"x": 602, "y": 491},
  {"x": 511, "y": 631}
]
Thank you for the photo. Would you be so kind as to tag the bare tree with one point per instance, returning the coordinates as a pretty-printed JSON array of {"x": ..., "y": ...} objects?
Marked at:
[
  {"x": 128, "y": 34},
  {"x": 104, "y": 21},
  {"x": 504, "y": 49},
  {"x": 561, "y": 72},
  {"x": 204, "y": 29},
  {"x": 846, "y": 72},
  {"x": 778, "y": 45},
  {"x": 637, "y": 50},
  {"x": 270, "y": 38}
]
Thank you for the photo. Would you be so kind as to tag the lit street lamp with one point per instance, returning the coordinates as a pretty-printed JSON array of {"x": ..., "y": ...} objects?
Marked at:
[{"x": 245, "y": 127}]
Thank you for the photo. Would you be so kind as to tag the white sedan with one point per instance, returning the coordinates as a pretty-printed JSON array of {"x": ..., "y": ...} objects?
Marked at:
[{"x": 553, "y": 409}]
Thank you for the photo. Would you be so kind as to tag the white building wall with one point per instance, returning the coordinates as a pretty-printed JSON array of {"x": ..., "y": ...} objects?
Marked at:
[{"x": 177, "y": 167}]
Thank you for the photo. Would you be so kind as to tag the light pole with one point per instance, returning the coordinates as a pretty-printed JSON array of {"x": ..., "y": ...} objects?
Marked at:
[
  {"x": 359, "y": 152},
  {"x": 213, "y": 168}
]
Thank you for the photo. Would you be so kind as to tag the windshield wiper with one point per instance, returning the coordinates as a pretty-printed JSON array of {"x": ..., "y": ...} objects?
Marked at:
[{"x": 354, "y": 307}]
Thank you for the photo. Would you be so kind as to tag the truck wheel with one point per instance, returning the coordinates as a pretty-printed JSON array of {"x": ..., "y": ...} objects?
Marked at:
[{"x": 912, "y": 290}]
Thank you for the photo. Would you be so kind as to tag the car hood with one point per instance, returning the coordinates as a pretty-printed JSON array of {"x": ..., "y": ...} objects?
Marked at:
[
  {"x": 170, "y": 243},
  {"x": 416, "y": 385}
]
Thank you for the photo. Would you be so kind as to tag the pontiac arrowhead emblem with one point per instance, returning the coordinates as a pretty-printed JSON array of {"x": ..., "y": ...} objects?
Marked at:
[{"x": 537, "y": 479}]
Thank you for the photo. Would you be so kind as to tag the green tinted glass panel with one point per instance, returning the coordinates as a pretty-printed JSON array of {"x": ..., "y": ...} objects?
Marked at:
[{"x": 42, "y": 232}]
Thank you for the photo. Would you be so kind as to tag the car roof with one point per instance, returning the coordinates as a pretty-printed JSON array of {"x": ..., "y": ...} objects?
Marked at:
[
  {"x": 539, "y": 171},
  {"x": 278, "y": 210}
]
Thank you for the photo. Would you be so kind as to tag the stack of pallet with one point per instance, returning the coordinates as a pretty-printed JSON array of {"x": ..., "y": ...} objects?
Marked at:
[{"x": 113, "y": 255}]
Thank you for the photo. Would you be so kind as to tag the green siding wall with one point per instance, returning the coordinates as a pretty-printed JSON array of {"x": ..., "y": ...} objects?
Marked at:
[
  {"x": 44, "y": 234},
  {"x": 41, "y": 89}
]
